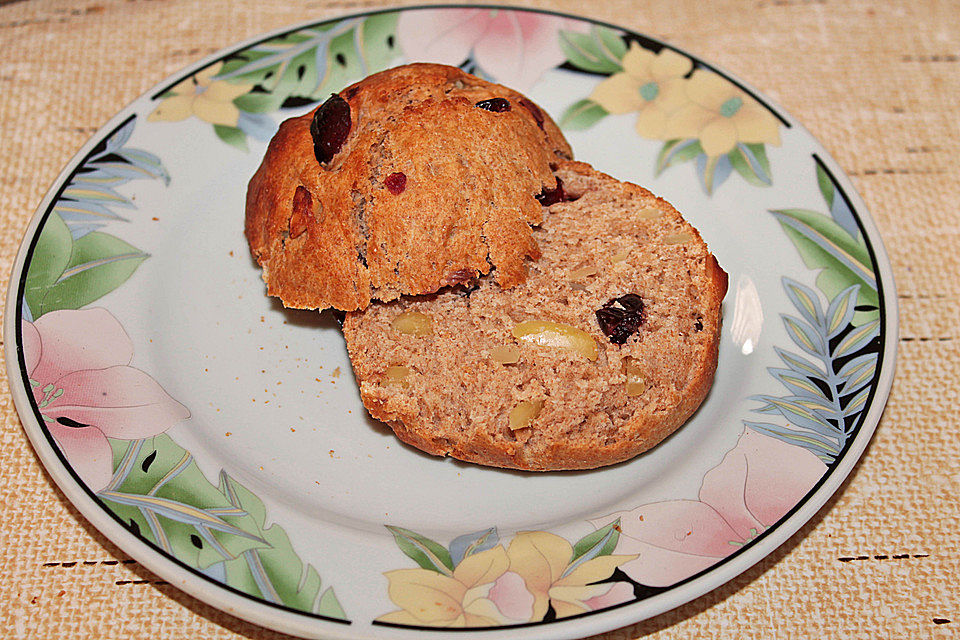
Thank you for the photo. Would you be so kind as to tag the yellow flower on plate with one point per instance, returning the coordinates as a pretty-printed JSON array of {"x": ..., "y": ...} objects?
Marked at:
[
  {"x": 720, "y": 115},
  {"x": 650, "y": 83},
  {"x": 202, "y": 96},
  {"x": 543, "y": 560},
  {"x": 460, "y": 599}
]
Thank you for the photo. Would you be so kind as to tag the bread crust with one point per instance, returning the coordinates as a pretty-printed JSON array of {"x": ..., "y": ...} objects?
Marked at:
[
  {"x": 336, "y": 235},
  {"x": 437, "y": 412}
]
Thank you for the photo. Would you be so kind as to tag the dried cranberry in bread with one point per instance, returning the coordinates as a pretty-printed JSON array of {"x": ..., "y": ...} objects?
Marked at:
[
  {"x": 608, "y": 346},
  {"x": 405, "y": 182}
]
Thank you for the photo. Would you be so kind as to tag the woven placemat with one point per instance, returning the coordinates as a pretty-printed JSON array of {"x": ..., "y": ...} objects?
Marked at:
[{"x": 877, "y": 83}]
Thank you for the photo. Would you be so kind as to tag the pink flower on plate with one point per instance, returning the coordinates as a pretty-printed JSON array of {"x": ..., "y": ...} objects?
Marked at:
[
  {"x": 512, "y": 47},
  {"x": 78, "y": 365},
  {"x": 755, "y": 485}
]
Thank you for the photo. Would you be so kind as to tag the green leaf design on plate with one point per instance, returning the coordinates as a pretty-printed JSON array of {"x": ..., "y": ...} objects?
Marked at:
[
  {"x": 274, "y": 573},
  {"x": 597, "y": 52},
  {"x": 256, "y": 102},
  {"x": 751, "y": 164},
  {"x": 675, "y": 152},
  {"x": 611, "y": 41},
  {"x": 824, "y": 244},
  {"x": 99, "y": 263},
  {"x": 69, "y": 274},
  {"x": 826, "y": 186},
  {"x": 601, "y": 542},
  {"x": 759, "y": 158},
  {"x": 50, "y": 258},
  {"x": 597, "y": 543},
  {"x": 72, "y": 264},
  {"x": 582, "y": 114},
  {"x": 158, "y": 486},
  {"x": 422, "y": 550},
  {"x": 310, "y": 63},
  {"x": 159, "y": 491},
  {"x": 232, "y": 136}
]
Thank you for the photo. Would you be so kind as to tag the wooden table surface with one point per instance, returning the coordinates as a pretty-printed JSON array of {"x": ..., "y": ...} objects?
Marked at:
[{"x": 877, "y": 82}]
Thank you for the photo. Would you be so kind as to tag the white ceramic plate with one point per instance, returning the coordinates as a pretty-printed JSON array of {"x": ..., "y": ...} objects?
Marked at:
[{"x": 219, "y": 439}]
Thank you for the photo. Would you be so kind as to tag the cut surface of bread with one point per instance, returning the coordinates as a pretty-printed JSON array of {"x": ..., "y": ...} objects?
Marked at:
[
  {"x": 430, "y": 176},
  {"x": 607, "y": 347}
]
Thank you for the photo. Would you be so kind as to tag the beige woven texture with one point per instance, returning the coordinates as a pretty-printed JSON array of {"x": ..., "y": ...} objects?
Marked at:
[{"x": 877, "y": 83}]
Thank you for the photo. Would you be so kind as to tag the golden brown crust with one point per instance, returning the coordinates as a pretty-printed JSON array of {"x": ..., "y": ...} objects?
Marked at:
[
  {"x": 467, "y": 206},
  {"x": 458, "y": 400}
]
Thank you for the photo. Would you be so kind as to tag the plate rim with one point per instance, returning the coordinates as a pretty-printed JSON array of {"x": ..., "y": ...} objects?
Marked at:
[{"x": 282, "y": 618}]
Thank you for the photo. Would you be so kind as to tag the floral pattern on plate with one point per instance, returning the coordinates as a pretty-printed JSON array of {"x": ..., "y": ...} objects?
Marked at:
[
  {"x": 108, "y": 421},
  {"x": 297, "y": 68},
  {"x": 700, "y": 115},
  {"x": 512, "y": 48},
  {"x": 108, "y": 418},
  {"x": 774, "y": 466},
  {"x": 754, "y": 486},
  {"x": 78, "y": 363},
  {"x": 476, "y": 582}
]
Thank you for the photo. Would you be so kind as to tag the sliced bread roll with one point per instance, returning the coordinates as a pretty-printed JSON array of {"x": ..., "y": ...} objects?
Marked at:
[
  {"x": 410, "y": 180},
  {"x": 607, "y": 346}
]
